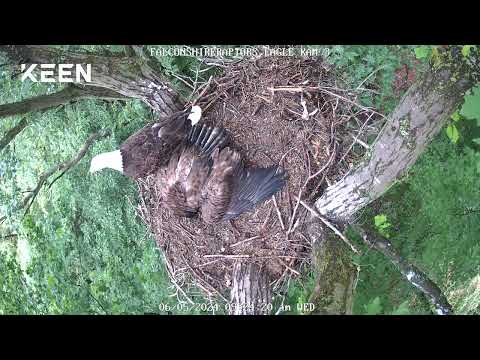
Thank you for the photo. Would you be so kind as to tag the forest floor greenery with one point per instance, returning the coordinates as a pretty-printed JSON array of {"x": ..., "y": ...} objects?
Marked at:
[{"x": 81, "y": 249}]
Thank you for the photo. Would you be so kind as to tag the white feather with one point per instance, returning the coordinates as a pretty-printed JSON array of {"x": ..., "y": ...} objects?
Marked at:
[
  {"x": 112, "y": 160},
  {"x": 195, "y": 114}
]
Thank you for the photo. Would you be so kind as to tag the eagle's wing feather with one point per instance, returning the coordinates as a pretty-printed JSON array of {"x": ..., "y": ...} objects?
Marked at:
[
  {"x": 232, "y": 190},
  {"x": 219, "y": 187},
  {"x": 252, "y": 187},
  {"x": 182, "y": 181}
]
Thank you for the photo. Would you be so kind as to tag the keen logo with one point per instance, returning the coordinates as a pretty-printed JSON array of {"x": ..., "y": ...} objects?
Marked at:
[{"x": 63, "y": 73}]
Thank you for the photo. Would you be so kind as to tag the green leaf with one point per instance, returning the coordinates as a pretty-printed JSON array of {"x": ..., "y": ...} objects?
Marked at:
[
  {"x": 402, "y": 309},
  {"x": 380, "y": 220},
  {"x": 422, "y": 52},
  {"x": 452, "y": 133},
  {"x": 374, "y": 307},
  {"x": 471, "y": 106},
  {"x": 436, "y": 60},
  {"x": 476, "y": 141},
  {"x": 455, "y": 116},
  {"x": 466, "y": 50}
]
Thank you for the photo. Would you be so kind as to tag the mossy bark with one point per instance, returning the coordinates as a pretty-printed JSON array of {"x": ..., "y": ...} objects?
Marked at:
[
  {"x": 336, "y": 275},
  {"x": 419, "y": 116}
]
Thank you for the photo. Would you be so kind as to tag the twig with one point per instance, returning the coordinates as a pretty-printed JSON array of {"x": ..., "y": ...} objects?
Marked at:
[
  {"x": 322, "y": 89},
  {"x": 206, "y": 87},
  {"x": 226, "y": 256},
  {"x": 369, "y": 76},
  {"x": 244, "y": 241},
  {"x": 182, "y": 80},
  {"x": 292, "y": 219},
  {"x": 331, "y": 226},
  {"x": 323, "y": 168},
  {"x": 278, "y": 212},
  {"x": 172, "y": 279},
  {"x": 355, "y": 138},
  {"x": 65, "y": 166}
]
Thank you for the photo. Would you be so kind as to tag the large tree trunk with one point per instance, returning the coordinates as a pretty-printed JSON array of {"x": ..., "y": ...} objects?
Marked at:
[
  {"x": 419, "y": 116},
  {"x": 251, "y": 293}
]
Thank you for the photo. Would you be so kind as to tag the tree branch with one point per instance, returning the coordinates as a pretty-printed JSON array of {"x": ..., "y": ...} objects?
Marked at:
[
  {"x": 12, "y": 133},
  {"x": 62, "y": 97},
  {"x": 64, "y": 167},
  {"x": 134, "y": 77},
  {"x": 250, "y": 294},
  {"x": 414, "y": 275}
]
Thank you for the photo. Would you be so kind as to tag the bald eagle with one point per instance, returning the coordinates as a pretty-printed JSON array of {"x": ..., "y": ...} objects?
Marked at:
[
  {"x": 195, "y": 172},
  {"x": 150, "y": 148}
]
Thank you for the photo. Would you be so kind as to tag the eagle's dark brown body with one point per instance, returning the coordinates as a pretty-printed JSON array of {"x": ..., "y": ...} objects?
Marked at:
[
  {"x": 150, "y": 148},
  {"x": 195, "y": 172}
]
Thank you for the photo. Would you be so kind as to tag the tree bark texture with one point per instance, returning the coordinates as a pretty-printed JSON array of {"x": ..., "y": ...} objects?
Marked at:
[
  {"x": 62, "y": 97},
  {"x": 131, "y": 76},
  {"x": 250, "y": 294},
  {"x": 419, "y": 116},
  {"x": 12, "y": 133},
  {"x": 336, "y": 275}
]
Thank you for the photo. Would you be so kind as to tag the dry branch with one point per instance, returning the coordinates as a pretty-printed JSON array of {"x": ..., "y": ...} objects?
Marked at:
[
  {"x": 331, "y": 226},
  {"x": 64, "y": 167},
  {"x": 414, "y": 275}
]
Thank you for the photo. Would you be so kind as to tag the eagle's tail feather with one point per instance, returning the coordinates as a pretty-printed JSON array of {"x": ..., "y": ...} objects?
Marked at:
[{"x": 254, "y": 186}]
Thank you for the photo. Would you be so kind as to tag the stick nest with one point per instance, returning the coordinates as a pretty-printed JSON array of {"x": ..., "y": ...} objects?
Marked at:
[{"x": 277, "y": 110}]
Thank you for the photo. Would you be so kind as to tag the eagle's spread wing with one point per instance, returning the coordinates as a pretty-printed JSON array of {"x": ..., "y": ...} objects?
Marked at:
[{"x": 232, "y": 190}]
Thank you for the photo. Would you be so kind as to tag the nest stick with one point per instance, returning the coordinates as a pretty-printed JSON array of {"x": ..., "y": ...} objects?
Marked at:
[
  {"x": 331, "y": 226},
  {"x": 278, "y": 212}
]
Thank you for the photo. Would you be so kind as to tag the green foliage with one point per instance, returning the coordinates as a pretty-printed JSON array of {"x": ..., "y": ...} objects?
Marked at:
[
  {"x": 373, "y": 67},
  {"x": 423, "y": 52},
  {"x": 374, "y": 307},
  {"x": 466, "y": 50},
  {"x": 452, "y": 133},
  {"x": 297, "y": 293},
  {"x": 382, "y": 225},
  {"x": 435, "y": 212},
  {"x": 81, "y": 249},
  {"x": 471, "y": 106}
]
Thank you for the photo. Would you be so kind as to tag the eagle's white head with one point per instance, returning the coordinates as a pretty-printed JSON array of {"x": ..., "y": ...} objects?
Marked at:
[
  {"x": 111, "y": 160},
  {"x": 195, "y": 114}
]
